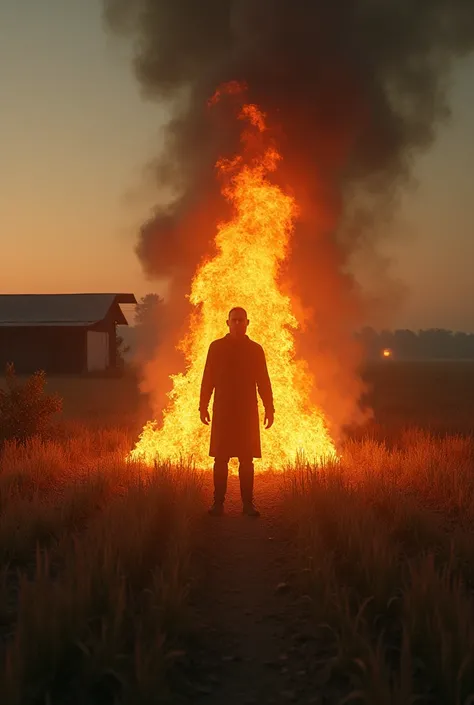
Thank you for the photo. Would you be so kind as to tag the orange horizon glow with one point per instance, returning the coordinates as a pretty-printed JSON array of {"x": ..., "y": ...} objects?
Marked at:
[{"x": 250, "y": 250}]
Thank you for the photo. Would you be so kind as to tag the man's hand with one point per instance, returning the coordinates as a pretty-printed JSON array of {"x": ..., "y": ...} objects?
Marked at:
[
  {"x": 268, "y": 420},
  {"x": 205, "y": 418}
]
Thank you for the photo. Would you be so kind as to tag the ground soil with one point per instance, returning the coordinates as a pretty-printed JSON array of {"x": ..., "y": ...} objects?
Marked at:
[{"x": 255, "y": 641}]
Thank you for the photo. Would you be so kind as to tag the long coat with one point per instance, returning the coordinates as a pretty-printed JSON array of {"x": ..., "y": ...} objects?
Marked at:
[{"x": 235, "y": 369}]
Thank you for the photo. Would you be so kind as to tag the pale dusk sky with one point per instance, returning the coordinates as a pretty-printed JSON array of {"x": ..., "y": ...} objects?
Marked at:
[{"x": 75, "y": 136}]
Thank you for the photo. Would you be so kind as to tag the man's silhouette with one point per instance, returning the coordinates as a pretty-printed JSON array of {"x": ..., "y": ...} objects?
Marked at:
[{"x": 235, "y": 369}]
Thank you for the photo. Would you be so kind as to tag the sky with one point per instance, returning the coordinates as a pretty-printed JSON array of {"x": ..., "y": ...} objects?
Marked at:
[{"x": 75, "y": 139}]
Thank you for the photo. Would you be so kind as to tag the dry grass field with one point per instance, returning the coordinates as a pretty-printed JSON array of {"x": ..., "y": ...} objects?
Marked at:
[
  {"x": 94, "y": 571},
  {"x": 435, "y": 395},
  {"x": 386, "y": 544},
  {"x": 104, "y": 564},
  {"x": 386, "y": 555}
]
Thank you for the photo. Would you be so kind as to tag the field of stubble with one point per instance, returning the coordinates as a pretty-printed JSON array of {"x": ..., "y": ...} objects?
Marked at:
[{"x": 100, "y": 559}]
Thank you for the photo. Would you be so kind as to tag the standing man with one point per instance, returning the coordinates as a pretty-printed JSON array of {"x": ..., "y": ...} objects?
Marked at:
[{"x": 235, "y": 369}]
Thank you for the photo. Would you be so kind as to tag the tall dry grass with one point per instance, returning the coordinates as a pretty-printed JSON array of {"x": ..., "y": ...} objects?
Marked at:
[
  {"x": 95, "y": 569},
  {"x": 386, "y": 552},
  {"x": 95, "y": 558}
]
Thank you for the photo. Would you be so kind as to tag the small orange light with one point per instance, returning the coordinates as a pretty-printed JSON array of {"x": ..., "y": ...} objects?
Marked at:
[{"x": 386, "y": 353}]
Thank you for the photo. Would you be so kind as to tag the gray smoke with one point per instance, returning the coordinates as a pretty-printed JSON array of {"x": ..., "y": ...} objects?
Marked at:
[{"x": 353, "y": 90}]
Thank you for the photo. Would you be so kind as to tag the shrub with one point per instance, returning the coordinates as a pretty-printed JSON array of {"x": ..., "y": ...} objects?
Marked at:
[{"x": 25, "y": 409}]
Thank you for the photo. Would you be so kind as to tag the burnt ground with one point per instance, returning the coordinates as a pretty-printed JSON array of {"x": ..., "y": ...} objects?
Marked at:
[{"x": 255, "y": 641}]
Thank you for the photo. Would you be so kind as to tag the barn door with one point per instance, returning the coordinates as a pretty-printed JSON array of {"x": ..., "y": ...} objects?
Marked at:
[{"x": 97, "y": 350}]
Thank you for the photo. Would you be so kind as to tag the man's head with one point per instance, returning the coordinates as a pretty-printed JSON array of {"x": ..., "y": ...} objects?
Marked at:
[{"x": 237, "y": 322}]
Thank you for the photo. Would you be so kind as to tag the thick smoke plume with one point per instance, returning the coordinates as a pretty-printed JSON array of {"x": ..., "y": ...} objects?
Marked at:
[{"x": 354, "y": 89}]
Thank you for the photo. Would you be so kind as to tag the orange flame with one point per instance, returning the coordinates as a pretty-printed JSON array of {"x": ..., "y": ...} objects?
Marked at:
[{"x": 251, "y": 248}]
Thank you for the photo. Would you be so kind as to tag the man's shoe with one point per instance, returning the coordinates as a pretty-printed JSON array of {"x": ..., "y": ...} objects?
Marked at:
[
  {"x": 216, "y": 510},
  {"x": 250, "y": 510}
]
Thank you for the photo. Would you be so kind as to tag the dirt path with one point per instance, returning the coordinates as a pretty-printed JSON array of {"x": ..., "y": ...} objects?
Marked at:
[{"x": 253, "y": 622}]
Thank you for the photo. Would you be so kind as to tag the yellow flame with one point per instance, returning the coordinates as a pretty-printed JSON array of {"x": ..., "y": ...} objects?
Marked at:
[{"x": 250, "y": 250}]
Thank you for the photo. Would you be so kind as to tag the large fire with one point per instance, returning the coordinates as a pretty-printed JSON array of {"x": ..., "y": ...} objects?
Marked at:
[{"x": 250, "y": 250}]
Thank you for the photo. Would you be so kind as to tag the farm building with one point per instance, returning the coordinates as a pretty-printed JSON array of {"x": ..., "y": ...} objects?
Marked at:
[{"x": 60, "y": 333}]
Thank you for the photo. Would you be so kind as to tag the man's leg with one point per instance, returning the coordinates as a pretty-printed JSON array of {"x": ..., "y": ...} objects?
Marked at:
[
  {"x": 221, "y": 471},
  {"x": 246, "y": 477}
]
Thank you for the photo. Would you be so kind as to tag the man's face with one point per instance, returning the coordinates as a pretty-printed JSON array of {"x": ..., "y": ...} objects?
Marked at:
[{"x": 237, "y": 323}]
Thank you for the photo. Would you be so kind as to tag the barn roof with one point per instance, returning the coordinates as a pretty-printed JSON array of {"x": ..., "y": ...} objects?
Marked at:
[{"x": 60, "y": 309}]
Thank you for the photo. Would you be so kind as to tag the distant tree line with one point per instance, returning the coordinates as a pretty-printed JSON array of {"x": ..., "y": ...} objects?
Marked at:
[{"x": 433, "y": 343}]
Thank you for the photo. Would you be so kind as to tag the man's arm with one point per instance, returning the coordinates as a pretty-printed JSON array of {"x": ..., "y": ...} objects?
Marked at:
[
  {"x": 207, "y": 386},
  {"x": 264, "y": 387}
]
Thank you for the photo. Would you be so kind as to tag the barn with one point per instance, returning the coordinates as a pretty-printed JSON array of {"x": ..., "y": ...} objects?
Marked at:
[{"x": 60, "y": 333}]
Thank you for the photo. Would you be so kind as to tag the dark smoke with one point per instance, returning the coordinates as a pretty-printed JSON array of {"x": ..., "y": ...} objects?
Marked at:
[{"x": 354, "y": 89}]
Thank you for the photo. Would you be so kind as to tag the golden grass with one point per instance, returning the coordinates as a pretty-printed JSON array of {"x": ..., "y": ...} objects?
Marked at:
[
  {"x": 95, "y": 552},
  {"x": 95, "y": 570},
  {"x": 385, "y": 545}
]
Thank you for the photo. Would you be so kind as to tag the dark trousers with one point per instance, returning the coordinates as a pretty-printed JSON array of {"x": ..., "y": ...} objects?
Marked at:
[{"x": 246, "y": 473}]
